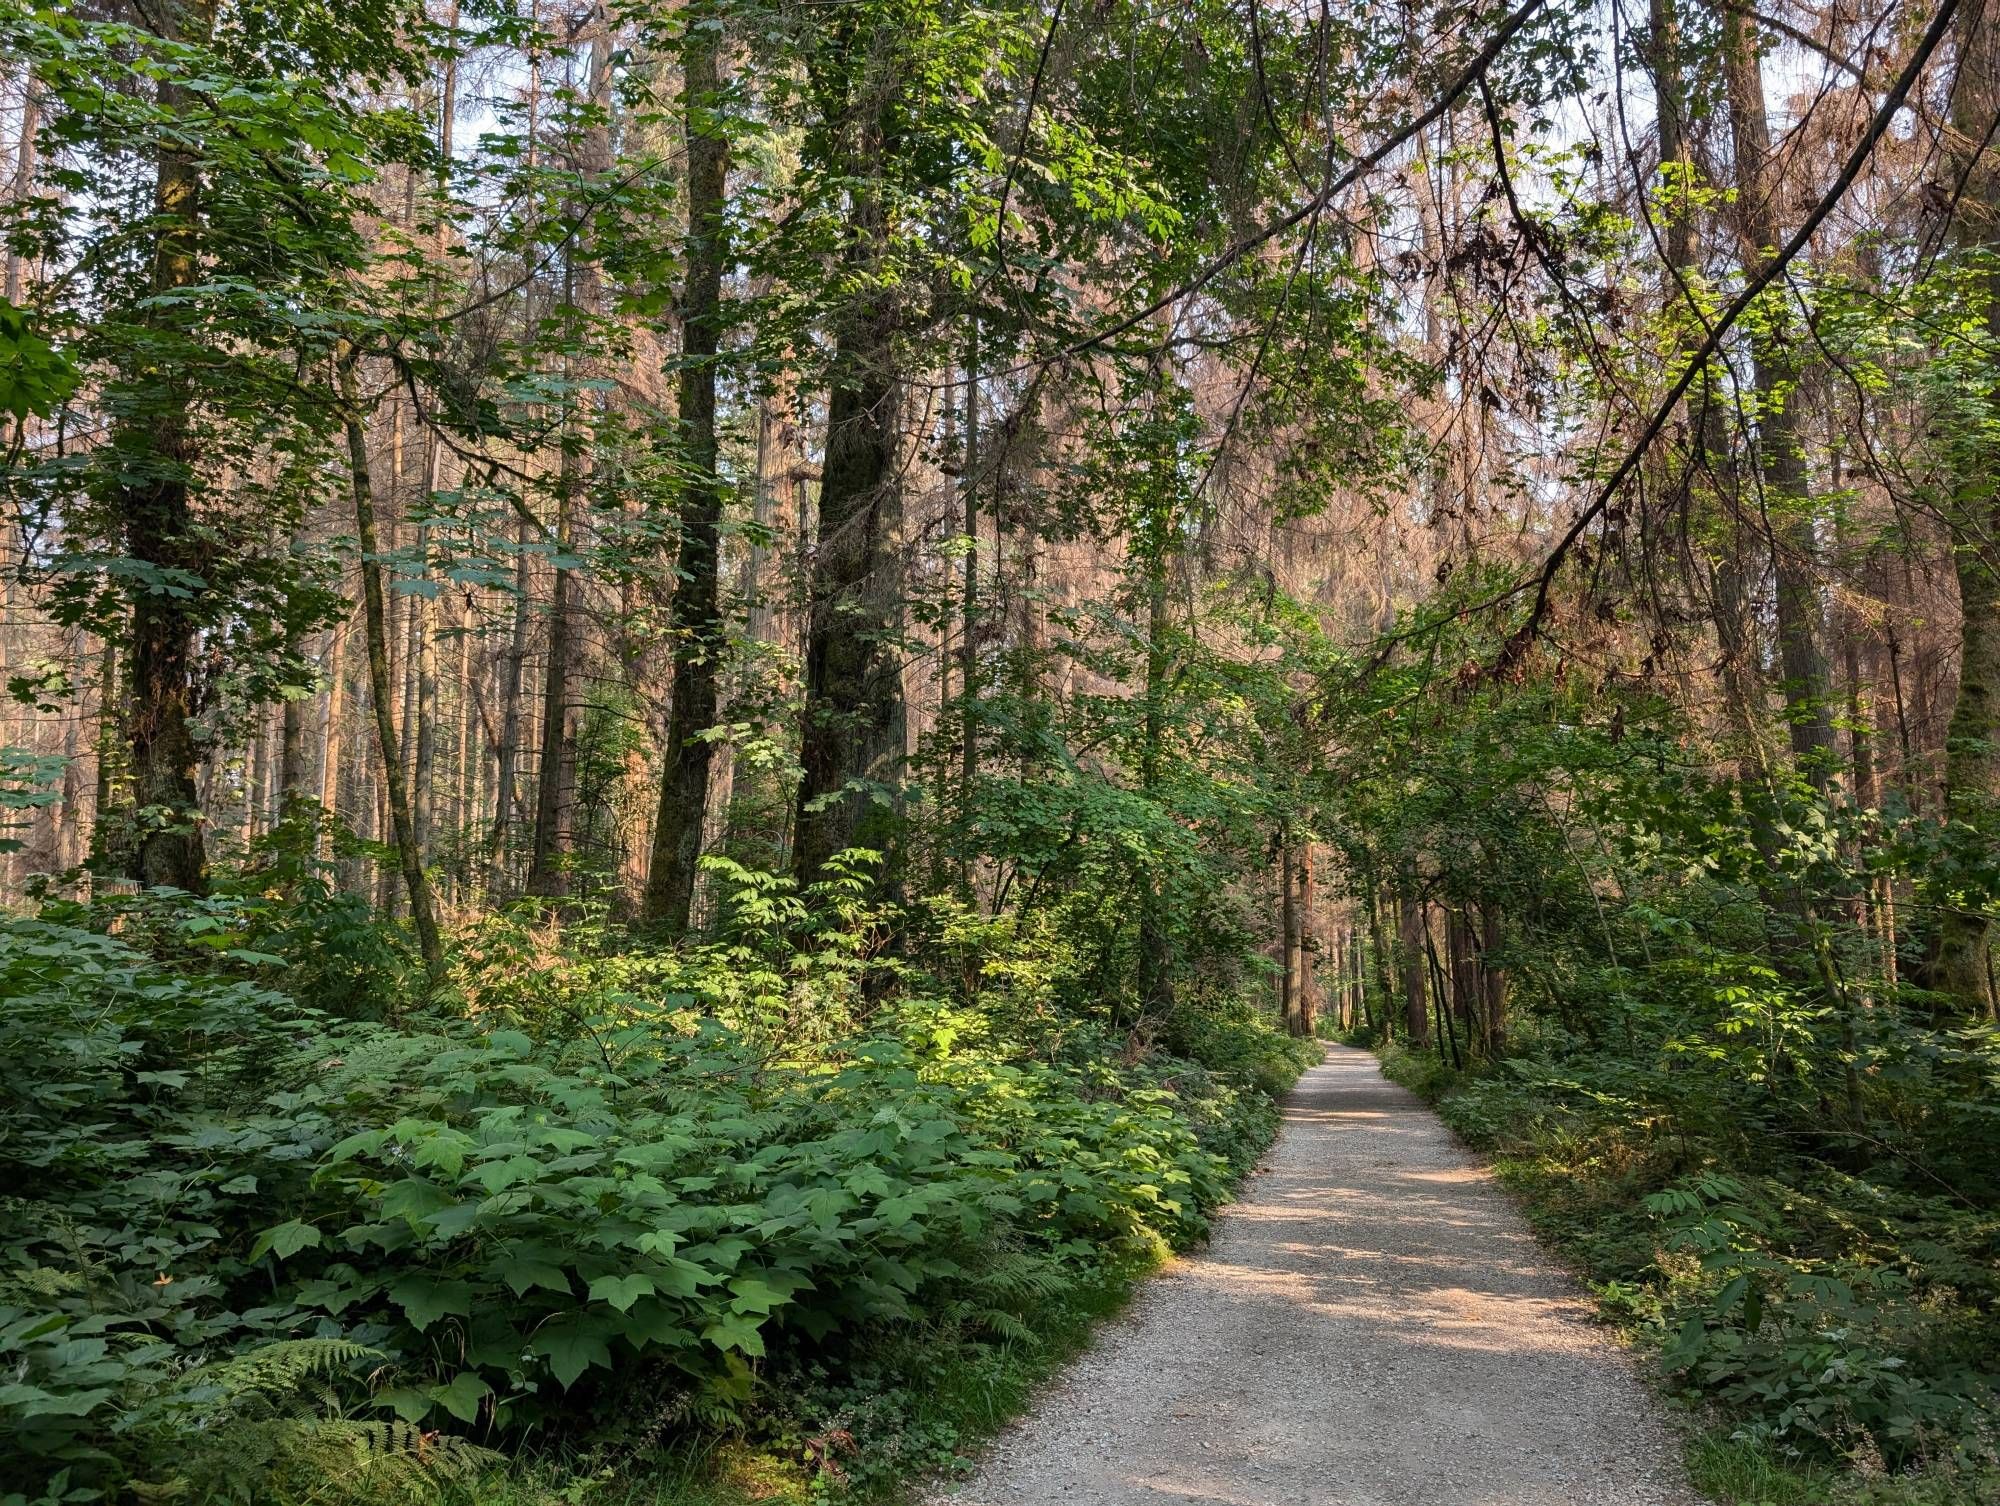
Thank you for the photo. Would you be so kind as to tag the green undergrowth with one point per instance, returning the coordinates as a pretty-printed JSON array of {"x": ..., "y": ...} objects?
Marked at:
[
  {"x": 769, "y": 1217},
  {"x": 913, "y": 1409},
  {"x": 1828, "y": 1327}
]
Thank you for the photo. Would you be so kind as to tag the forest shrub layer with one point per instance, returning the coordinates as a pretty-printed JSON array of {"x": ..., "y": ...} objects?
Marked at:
[{"x": 250, "y": 1244}]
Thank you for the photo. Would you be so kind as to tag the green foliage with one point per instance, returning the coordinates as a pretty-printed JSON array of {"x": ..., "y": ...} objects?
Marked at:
[
  {"x": 350, "y": 1236},
  {"x": 1777, "y": 1169}
]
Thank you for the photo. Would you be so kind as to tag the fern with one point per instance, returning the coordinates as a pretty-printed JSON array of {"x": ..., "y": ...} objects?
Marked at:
[
  {"x": 266, "y": 1425},
  {"x": 262, "y": 1381},
  {"x": 367, "y": 1462}
]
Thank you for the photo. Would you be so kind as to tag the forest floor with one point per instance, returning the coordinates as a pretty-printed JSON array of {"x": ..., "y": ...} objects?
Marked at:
[{"x": 1372, "y": 1325}]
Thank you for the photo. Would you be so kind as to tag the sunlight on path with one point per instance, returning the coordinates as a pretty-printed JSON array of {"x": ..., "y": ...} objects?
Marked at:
[{"x": 1372, "y": 1326}]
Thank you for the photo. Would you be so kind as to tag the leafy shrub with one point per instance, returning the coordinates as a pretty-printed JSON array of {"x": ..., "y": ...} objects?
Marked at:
[
  {"x": 459, "y": 1224},
  {"x": 1832, "y": 1351},
  {"x": 1825, "y": 1314}
]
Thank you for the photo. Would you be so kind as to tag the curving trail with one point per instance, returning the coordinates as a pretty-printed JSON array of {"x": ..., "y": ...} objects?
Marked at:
[{"x": 1372, "y": 1325}]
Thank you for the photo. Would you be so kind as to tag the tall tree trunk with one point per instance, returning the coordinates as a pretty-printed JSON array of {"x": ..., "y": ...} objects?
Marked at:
[
  {"x": 465, "y": 808},
  {"x": 292, "y": 752},
  {"x": 507, "y": 753},
  {"x": 1288, "y": 930},
  {"x": 24, "y": 173},
  {"x": 1788, "y": 498},
  {"x": 1743, "y": 692},
  {"x": 157, "y": 454},
  {"x": 1467, "y": 997},
  {"x": 1410, "y": 942},
  {"x": 1972, "y": 743},
  {"x": 336, "y": 726},
  {"x": 1494, "y": 979},
  {"x": 550, "y": 840},
  {"x": 110, "y": 822},
  {"x": 423, "y": 638},
  {"x": 555, "y": 780},
  {"x": 697, "y": 625},
  {"x": 1306, "y": 982},
  {"x": 375, "y": 622},
  {"x": 1155, "y": 959},
  {"x": 1378, "y": 947},
  {"x": 851, "y": 744},
  {"x": 968, "y": 644}
]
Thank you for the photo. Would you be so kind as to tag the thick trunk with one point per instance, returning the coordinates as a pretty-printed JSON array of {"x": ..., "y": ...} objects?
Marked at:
[
  {"x": 851, "y": 745},
  {"x": 292, "y": 753},
  {"x": 374, "y": 616},
  {"x": 1972, "y": 744},
  {"x": 158, "y": 453},
  {"x": 698, "y": 629}
]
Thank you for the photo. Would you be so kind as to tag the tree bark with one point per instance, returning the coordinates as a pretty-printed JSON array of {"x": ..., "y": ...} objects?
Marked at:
[
  {"x": 157, "y": 456},
  {"x": 110, "y": 822},
  {"x": 1288, "y": 928},
  {"x": 1494, "y": 978},
  {"x": 1972, "y": 742},
  {"x": 851, "y": 745},
  {"x": 1378, "y": 947},
  {"x": 374, "y": 616},
  {"x": 1155, "y": 972},
  {"x": 1788, "y": 499},
  {"x": 1303, "y": 970},
  {"x": 551, "y": 836},
  {"x": 697, "y": 624},
  {"x": 968, "y": 645},
  {"x": 24, "y": 173},
  {"x": 1410, "y": 942},
  {"x": 507, "y": 753},
  {"x": 336, "y": 727}
]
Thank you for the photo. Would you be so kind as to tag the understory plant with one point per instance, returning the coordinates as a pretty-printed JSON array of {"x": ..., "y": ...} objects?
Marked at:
[{"x": 244, "y": 1239}]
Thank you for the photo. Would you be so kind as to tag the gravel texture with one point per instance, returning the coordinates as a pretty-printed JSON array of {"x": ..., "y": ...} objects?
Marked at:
[{"x": 1372, "y": 1325}]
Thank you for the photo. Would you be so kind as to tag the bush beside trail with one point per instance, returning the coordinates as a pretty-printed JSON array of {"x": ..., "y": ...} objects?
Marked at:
[{"x": 383, "y": 1247}]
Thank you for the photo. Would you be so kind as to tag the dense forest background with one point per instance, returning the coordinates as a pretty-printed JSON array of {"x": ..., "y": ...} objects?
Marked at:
[{"x": 698, "y": 694}]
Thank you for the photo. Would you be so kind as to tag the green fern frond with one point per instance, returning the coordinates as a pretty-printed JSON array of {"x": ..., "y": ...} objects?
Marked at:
[
  {"x": 1021, "y": 1276},
  {"x": 262, "y": 1377},
  {"x": 1005, "y": 1325},
  {"x": 382, "y": 1461}
]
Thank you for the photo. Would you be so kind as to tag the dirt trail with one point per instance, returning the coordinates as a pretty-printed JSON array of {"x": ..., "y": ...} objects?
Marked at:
[{"x": 1372, "y": 1325}]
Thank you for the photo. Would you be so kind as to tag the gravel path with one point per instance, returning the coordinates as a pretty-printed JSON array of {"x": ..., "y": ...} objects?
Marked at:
[{"x": 1372, "y": 1325}]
